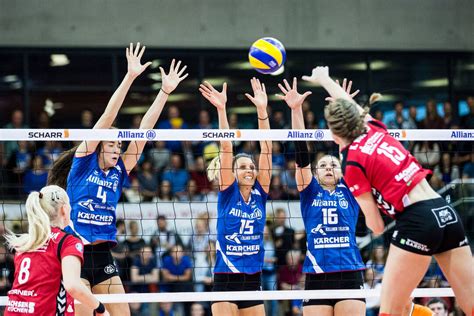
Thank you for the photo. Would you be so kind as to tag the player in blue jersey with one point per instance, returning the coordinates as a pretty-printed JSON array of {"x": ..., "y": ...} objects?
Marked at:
[
  {"x": 240, "y": 208},
  {"x": 330, "y": 214},
  {"x": 96, "y": 177}
]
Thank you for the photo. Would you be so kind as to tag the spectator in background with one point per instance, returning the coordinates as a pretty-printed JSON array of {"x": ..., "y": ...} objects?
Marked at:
[
  {"x": 36, "y": 178},
  {"x": 378, "y": 115},
  {"x": 18, "y": 163},
  {"x": 174, "y": 121},
  {"x": 15, "y": 122},
  {"x": 204, "y": 122},
  {"x": 283, "y": 236},
  {"x": 449, "y": 120},
  {"x": 43, "y": 120},
  {"x": 412, "y": 120},
  {"x": 7, "y": 269},
  {"x": 278, "y": 120},
  {"x": 134, "y": 242},
  {"x": 467, "y": 121},
  {"x": 199, "y": 246},
  {"x": 132, "y": 193},
  {"x": 192, "y": 194},
  {"x": 377, "y": 260},
  {"x": 372, "y": 304},
  {"x": 177, "y": 176},
  {"x": 269, "y": 273},
  {"x": 159, "y": 156},
  {"x": 163, "y": 239},
  {"x": 288, "y": 180},
  {"x": 290, "y": 276},
  {"x": 310, "y": 120},
  {"x": 438, "y": 306},
  {"x": 446, "y": 171},
  {"x": 399, "y": 122},
  {"x": 198, "y": 174},
  {"x": 120, "y": 251},
  {"x": 136, "y": 120},
  {"x": 164, "y": 194},
  {"x": 166, "y": 309},
  {"x": 427, "y": 153},
  {"x": 177, "y": 273},
  {"x": 50, "y": 153},
  {"x": 278, "y": 159},
  {"x": 468, "y": 170},
  {"x": 432, "y": 119},
  {"x": 197, "y": 309},
  {"x": 148, "y": 181},
  {"x": 277, "y": 192},
  {"x": 144, "y": 272},
  {"x": 87, "y": 119}
]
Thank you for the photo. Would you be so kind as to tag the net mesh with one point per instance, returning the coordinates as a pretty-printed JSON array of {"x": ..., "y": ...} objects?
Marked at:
[{"x": 169, "y": 210}]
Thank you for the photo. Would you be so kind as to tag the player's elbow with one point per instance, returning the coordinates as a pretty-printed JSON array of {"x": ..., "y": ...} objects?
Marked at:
[
  {"x": 73, "y": 288},
  {"x": 377, "y": 227}
]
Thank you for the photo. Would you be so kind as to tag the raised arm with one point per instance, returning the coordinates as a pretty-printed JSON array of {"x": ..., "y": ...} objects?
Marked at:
[
  {"x": 260, "y": 100},
  {"x": 294, "y": 100},
  {"x": 135, "y": 68},
  {"x": 219, "y": 100},
  {"x": 320, "y": 75},
  {"x": 169, "y": 83}
]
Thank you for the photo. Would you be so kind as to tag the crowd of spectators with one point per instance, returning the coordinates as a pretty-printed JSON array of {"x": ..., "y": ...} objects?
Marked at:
[{"x": 176, "y": 171}]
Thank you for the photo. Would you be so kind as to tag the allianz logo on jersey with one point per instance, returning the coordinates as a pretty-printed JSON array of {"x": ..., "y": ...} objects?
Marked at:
[
  {"x": 307, "y": 134},
  {"x": 256, "y": 214},
  {"x": 331, "y": 203},
  {"x": 108, "y": 184}
]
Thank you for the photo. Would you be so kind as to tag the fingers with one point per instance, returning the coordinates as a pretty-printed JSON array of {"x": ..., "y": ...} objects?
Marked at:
[
  {"x": 127, "y": 54},
  {"x": 204, "y": 92},
  {"x": 330, "y": 99},
  {"x": 209, "y": 86},
  {"x": 172, "y": 65},
  {"x": 249, "y": 97},
  {"x": 355, "y": 93},
  {"x": 137, "y": 49},
  {"x": 280, "y": 96},
  {"x": 349, "y": 86},
  {"x": 141, "y": 52},
  {"x": 224, "y": 88},
  {"x": 306, "y": 94},
  {"x": 282, "y": 88},
  {"x": 177, "y": 65},
  {"x": 183, "y": 77},
  {"x": 294, "y": 83},
  {"x": 287, "y": 85},
  {"x": 130, "y": 49},
  {"x": 163, "y": 74},
  {"x": 147, "y": 65},
  {"x": 344, "y": 84},
  {"x": 263, "y": 88},
  {"x": 205, "y": 88},
  {"x": 182, "y": 71},
  {"x": 306, "y": 78}
]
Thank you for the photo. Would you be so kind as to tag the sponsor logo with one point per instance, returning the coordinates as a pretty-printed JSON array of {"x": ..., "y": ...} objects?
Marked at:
[
  {"x": 372, "y": 143},
  {"x": 462, "y": 134},
  {"x": 21, "y": 307},
  {"x": 22, "y": 292},
  {"x": 338, "y": 229},
  {"x": 343, "y": 203},
  {"x": 445, "y": 215},
  {"x": 324, "y": 203},
  {"x": 464, "y": 242},
  {"x": 240, "y": 250},
  {"x": 99, "y": 181},
  {"x": 131, "y": 135},
  {"x": 150, "y": 134},
  {"x": 256, "y": 214},
  {"x": 414, "y": 244},
  {"x": 234, "y": 237},
  {"x": 109, "y": 269},
  {"x": 331, "y": 242},
  {"x": 226, "y": 135},
  {"x": 316, "y": 134},
  {"x": 87, "y": 205},
  {"x": 399, "y": 135},
  {"x": 318, "y": 229},
  {"x": 408, "y": 173},
  {"x": 54, "y": 135},
  {"x": 94, "y": 219},
  {"x": 79, "y": 247}
]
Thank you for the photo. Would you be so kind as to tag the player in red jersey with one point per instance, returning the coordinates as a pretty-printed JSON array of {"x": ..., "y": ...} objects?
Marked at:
[
  {"x": 48, "y": 260},
  {"x": 383, "y": 175}
]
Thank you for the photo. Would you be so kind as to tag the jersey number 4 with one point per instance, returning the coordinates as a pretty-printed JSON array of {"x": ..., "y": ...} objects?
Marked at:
[
  {"x": 24, "y": 273},
  {"x": 101, "y": 194}
]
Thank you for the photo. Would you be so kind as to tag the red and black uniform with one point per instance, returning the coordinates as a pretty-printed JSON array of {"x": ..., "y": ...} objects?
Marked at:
[
  {"x": 376, "y": 162},
  {"x": 38, "y": 287}
]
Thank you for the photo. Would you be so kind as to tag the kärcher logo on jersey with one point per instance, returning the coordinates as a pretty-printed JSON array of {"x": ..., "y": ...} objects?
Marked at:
[
  {"x": 256, "y": 214},
  {"x": 242, "y": 250},
  {"x": 331, "y": 242},
  {"x": 94, "y": 219},
  {"x": 317, "y": 134}
]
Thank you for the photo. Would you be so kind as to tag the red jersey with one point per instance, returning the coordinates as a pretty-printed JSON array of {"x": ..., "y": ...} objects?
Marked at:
[
  {"x": 38, "y": 288},
  {"x": 376, "y": 162}
]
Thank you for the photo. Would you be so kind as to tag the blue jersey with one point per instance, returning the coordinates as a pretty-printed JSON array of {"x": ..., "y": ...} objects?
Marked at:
[
  {"x": 240, "y": 228},
  {"x": 94, "y": 195},
  {"x": 330, "y": 220}
]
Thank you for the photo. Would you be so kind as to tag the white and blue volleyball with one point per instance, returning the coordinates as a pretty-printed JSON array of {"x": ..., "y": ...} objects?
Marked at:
[{"x": 267, "y": 55}]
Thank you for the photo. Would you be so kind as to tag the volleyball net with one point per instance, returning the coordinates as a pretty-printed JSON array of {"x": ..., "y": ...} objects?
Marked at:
[{"x": 170, "y": 207}]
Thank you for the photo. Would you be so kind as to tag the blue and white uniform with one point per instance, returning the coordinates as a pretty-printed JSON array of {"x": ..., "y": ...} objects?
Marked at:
[
  {"x": 94, "y": 195},
  {"x": 240, "y": 227},
  {"x": 330, "y": 220}
]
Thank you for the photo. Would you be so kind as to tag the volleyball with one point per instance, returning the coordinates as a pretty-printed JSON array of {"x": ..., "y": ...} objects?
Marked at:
[{"x": 267, "y": 55}]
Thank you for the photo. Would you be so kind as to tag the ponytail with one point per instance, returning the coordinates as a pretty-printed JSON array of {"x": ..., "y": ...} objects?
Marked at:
[
  {"x": 61, "y": 167},
  {"x": 41, "y": 208}
]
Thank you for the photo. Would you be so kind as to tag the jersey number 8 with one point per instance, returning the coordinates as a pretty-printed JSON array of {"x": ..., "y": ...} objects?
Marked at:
[{"x": 24, "y": 273}]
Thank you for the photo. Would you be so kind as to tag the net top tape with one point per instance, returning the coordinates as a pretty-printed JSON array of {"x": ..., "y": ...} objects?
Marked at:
[{"x": 216, "y": 135}]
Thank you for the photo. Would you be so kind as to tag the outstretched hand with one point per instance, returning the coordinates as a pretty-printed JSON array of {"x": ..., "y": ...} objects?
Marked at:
[
  {"x": 317, "y": 74},
  {"x": 259, "y": 97},
  {"x": 170, "y": 81},
  {"x": 291, "y": 95},
  {"x": 218, "y": 99},
  {"x": 346, "y": 87},
  {"x": 134, "y": 67}
]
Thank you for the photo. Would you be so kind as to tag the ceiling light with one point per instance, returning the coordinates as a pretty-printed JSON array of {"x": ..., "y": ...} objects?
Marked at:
[
  {"x": 243, "y": 110},
  {"x": 140, "y": 109},
  {"x": 217, "y": 82},
  {"x": 10, "y": 78},
  {"x": 432, "y": 83},
  {"x": 239, "y": 65},
  {"x": 155, "y": 76},
  {"x": 59, "y": 60},
  {"x": 155, "y": 63}
]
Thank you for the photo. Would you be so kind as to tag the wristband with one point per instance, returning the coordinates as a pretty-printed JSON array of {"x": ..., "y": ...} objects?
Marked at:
[
  {"x": 100, "y": 309},
  {"x": 263, "y": 119},
  {"x": 164, "y": 91}
]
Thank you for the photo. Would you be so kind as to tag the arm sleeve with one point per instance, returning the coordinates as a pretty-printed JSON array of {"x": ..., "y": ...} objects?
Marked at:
[
  {"x": 356, "y": 180},
  {"x": 72, "y": 247}
]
